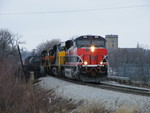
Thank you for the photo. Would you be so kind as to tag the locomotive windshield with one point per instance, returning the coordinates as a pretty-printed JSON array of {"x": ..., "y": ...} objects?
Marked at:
[
  {"x": 98, "y": 43},
  {"x": 88, "y": 43},
  {"x": 61, "y": 46},
  {"x": 83, "y": 43}
]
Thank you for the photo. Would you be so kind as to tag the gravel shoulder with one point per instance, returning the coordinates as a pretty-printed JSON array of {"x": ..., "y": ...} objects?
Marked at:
[{"x": 111, "y": 99}]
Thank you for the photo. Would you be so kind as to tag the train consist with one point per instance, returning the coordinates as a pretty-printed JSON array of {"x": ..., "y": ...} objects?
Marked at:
[{"x": 84, "y": 59}]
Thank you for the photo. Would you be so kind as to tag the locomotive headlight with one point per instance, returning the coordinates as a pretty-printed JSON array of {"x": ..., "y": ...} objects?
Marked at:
[
  {"x": 101, "y": 63},
  {"x": 85, "y": 62},
  {"x": 92, "y": 48}
]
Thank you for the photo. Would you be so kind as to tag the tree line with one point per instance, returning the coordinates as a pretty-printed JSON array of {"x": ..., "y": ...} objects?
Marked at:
[{"x": 130, "y": 62}]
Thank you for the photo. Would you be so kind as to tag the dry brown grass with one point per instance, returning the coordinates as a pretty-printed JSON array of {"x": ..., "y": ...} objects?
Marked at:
[
  {"x": 91, "y": 107},
  {"x": 18, "y": 97},
  {"x": 128, "y": 109}
]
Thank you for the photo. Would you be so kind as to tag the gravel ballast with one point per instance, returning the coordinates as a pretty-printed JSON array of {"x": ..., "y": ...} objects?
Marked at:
[{"x": 110, "y": 99}]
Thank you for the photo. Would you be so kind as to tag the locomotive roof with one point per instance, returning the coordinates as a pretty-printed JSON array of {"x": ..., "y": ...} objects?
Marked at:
[{"x": 90, "y": 37}]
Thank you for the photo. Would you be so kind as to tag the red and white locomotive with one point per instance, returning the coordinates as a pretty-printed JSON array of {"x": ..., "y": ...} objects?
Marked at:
[{"x": 86, "y": 59}]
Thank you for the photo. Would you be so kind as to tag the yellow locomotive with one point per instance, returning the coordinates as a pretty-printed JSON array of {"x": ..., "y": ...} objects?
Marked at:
[{"x": 53, "y": 59}]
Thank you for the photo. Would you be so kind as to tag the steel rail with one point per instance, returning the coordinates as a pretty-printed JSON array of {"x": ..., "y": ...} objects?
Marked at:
[
  {"x": 113, "y": 87},
  {"x": 126, "y": 89}
]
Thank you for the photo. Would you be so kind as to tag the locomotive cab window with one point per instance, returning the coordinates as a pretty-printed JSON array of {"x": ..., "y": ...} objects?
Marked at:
[
  {"x": 83, "y": 43},
  {"x": 90, "y": 42},
  {"x": 61, "y": 47},
  {"x": 98, "y": 43}
]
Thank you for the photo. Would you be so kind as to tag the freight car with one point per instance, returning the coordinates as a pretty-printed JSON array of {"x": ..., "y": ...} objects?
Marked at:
[{"x": 84, "y": 59}]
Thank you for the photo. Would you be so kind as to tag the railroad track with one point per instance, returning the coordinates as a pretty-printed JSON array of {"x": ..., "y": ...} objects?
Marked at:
[
  {"x": 111, "y": 86},
  {"x": 126, "y": 88}
]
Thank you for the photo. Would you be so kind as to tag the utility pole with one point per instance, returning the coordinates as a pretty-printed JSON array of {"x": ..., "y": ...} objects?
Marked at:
[{"x": 22, "y": 63}]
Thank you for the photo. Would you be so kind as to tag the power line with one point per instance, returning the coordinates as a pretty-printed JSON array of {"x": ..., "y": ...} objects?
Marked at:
[{"x": 73, "y": 11}]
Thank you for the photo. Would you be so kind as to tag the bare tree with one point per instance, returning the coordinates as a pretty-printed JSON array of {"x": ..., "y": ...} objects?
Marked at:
[
  {"x": 8, "y": 44},
  {"x": 47, "y": 45}
]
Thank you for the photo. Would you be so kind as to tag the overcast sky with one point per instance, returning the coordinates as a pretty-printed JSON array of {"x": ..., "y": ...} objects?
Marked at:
[{"x": 39, "y": 20}]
